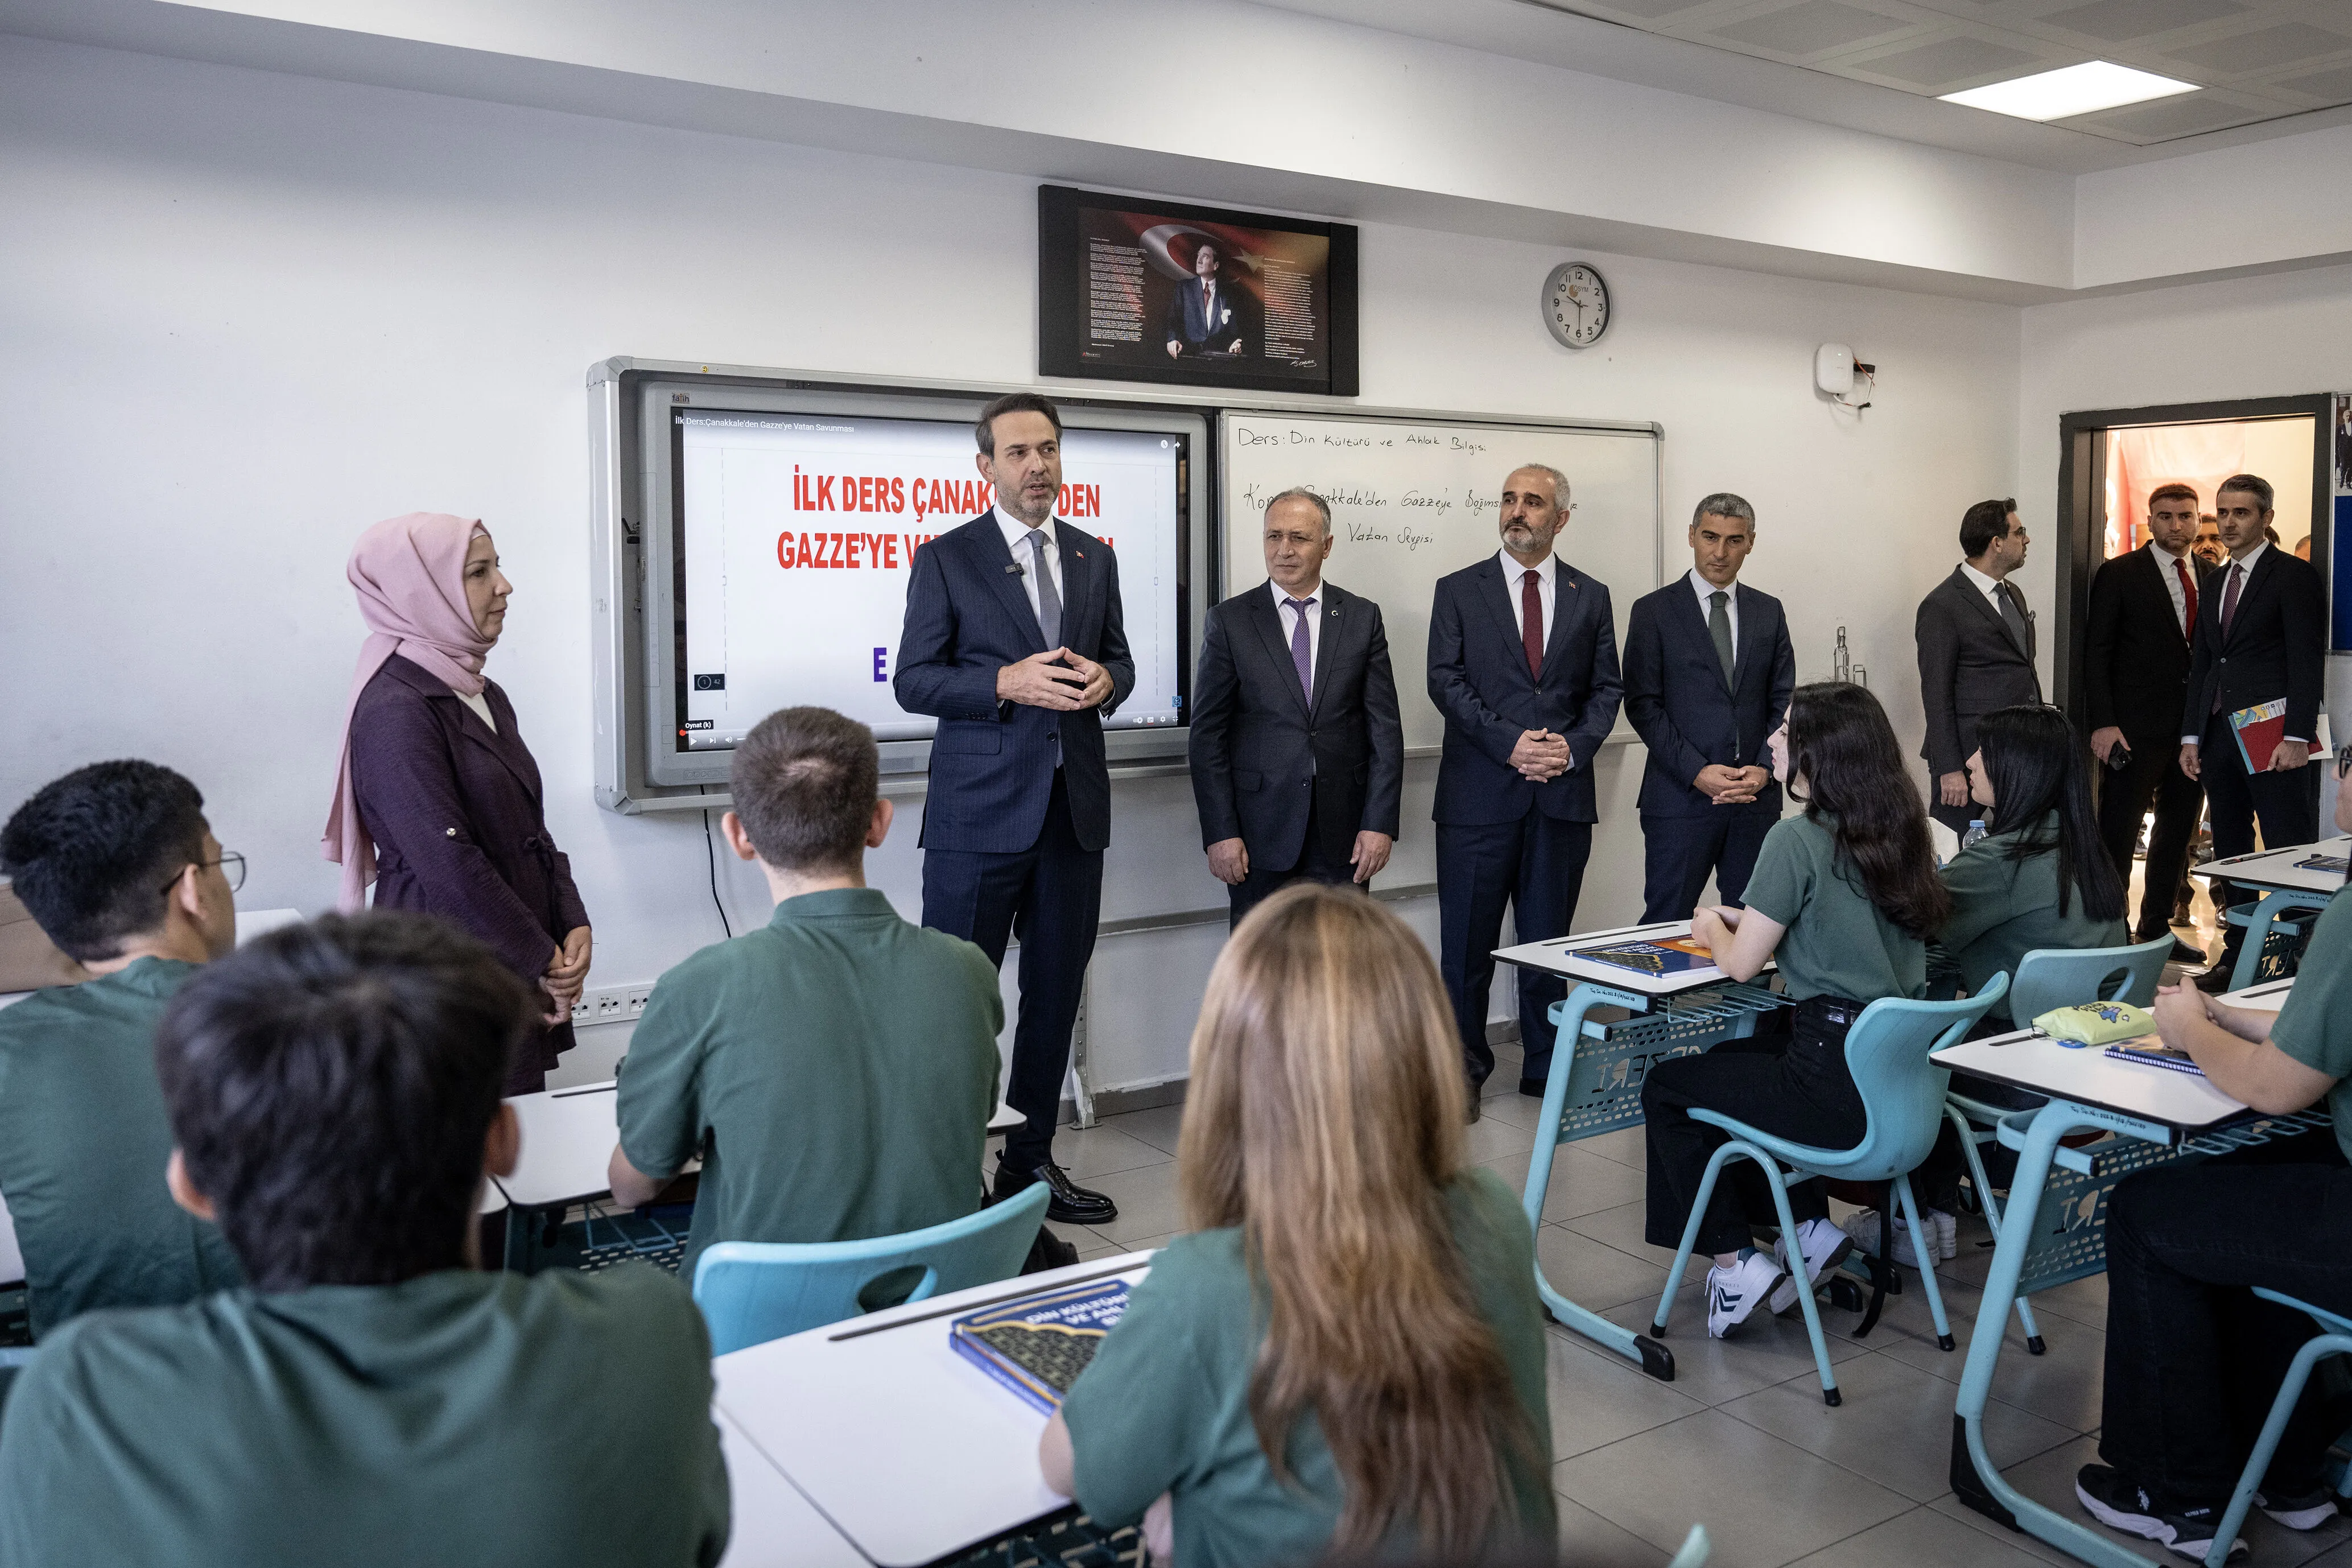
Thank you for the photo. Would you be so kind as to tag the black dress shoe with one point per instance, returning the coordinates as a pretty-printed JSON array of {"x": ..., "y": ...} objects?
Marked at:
[
  {"x": 1067, "y": 1201},
  {"x": 1533, "y": 1087},
  {"x": 2182, "y": 952},
  {"x": 2215, "y": 981}
]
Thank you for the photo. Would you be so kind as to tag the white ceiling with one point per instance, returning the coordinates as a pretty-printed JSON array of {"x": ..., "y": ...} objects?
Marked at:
[{"x": 2257, "y": 60}]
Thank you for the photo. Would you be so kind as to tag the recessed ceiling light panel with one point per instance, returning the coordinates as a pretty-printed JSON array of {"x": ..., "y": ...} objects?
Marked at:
[{"x": 2061, "y": 94}]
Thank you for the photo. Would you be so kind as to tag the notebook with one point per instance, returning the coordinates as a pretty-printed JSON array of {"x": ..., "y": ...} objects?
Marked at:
[
  {"x": 1663, "y": 956},
  {"x": 2149, "y": 1050},
  {"x": 2339, "y": 864},
  {"x": 2260, "y": 729},
  {"x": 1038, "y": 1346}
]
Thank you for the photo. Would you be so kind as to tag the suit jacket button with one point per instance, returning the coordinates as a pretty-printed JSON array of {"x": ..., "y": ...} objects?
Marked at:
[{"x": 450, "y": 831}]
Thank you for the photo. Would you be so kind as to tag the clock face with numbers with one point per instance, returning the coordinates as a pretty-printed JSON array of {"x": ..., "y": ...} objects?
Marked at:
[{"x": 1575, "y": 305}]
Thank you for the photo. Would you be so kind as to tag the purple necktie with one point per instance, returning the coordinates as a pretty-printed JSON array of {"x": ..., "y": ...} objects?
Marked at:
[{"x": 1300, "y": 654}]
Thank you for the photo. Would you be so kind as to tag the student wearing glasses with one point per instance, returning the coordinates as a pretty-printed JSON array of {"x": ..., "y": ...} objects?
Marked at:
[
  {"x": 1344, "y": 1352},
  {"x": 117, "y": 867},
  {"x": 437, "y": 800}
]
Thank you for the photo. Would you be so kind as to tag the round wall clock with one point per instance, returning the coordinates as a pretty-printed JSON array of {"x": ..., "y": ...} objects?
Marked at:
[{"x": 1575, "y": 305}]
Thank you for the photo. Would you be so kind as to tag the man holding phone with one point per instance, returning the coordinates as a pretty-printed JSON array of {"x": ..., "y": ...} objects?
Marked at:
[{"x": 2143, "y": 614}]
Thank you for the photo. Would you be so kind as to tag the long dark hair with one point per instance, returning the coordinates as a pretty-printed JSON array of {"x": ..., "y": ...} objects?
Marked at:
[
  {"x": 1842, "y": 747},
  {"x": 2034, "y": 763}
]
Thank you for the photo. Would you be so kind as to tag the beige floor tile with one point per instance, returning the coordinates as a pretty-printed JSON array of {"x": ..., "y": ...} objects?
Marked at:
[
  {"x": 1598, "y": 1398},
  {"x": 1580, "y": 1183},
  {"x": 1157, "y": 1126},
  {"x": 1763, "y": 1350},
  {"x": 1920, "y": 1539},
  {"x": 2061, "y": 1385},
  {"x": 1593, "y": 1274},
  {"x": 1587, "y": 1538},
  {"x": 1147, "y": 1200},
  {"x": 1623, "y": 1227},
  {"x": 1103, "y": 1149}
]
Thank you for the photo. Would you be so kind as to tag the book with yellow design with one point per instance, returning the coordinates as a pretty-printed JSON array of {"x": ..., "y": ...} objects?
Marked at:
[{"x": 1038, "y": 1346}]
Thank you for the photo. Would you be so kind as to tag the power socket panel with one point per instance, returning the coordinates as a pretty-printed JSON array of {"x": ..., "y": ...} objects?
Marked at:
[{"x": 611, "y": 1004}]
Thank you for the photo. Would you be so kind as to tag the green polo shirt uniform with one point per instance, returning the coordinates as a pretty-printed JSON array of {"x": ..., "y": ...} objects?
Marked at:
[
  {"x": 1838, "y": 942},
  {"x": 2315, "y": 1028},
  {"x": 556, "y": 1421},
  {"x": 83, "y": 1143},
  {"x": 1164, "y": 1406},
  {"x": 834, "y": 1070},
  {"x": 2003, "y": 909}
]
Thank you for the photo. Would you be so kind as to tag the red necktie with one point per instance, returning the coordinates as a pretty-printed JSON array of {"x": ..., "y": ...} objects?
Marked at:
[
  {"x": 2188, "y": 597},
  {"x": 1204, "y": 304},
  {"x": 1531, "y": 621}
]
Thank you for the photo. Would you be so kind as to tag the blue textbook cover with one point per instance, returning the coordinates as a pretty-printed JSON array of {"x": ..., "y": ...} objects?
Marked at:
[
  {"x": 1661, "y": 956},
  {"x": 1038, "y": 1346}
]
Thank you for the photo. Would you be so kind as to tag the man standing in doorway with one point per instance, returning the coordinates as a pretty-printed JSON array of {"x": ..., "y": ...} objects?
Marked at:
[
  {"x": 1013, "y": 641},
  {"x": 1976, "y": 652},
  {"x": 1297, "y": 752},
  {"x": 2261, "y": 635},
  {"x": 1708, "y": 673},
  {"x": 2143, "y": 612},
  {"x": 1523, "y": 665}
]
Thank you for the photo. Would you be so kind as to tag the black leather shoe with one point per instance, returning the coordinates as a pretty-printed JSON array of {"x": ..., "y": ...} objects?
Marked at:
[
  {"x": 1532, "y": 1087},
  {"x": 2182, "y": 952},
  {"x": 1068, "y": 1202},
  {"x": 2215, "y": 981}
]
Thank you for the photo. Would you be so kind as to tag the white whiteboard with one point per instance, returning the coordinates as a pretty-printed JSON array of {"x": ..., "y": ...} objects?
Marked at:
[{"x": 1416, "y": 497}]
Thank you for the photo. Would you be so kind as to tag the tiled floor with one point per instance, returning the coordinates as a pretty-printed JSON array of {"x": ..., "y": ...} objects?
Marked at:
[{"x": 1740, "y": 1440}]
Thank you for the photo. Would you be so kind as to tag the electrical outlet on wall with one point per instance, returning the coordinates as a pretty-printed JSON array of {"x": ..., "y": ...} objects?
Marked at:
[{"x": 611, "y": 1004}]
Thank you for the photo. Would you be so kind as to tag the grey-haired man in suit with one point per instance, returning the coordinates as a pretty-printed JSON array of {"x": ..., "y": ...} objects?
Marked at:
[
  {"x": 1976, "y": 652},
  {"x": 1297, "y": 752}
]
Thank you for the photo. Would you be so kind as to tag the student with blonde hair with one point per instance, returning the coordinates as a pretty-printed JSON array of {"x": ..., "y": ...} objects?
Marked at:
[{"x": 1345, "y": 1351}]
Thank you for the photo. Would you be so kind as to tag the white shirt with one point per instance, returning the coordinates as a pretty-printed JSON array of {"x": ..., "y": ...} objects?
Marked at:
[
  {"x": 1706, "y": 592},
  {"x": 1016, "y": 538},
  {"x": 2164, "y": 559},
  {"x": 1988, "y": 586},
  {"x": 1289, "y": 618},
  {"x": 1515, "y": 578},
  {"x": 479, "y": 704}
]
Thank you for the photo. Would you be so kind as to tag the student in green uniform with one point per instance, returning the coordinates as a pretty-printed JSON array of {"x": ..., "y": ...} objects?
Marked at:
[
  {"x": 2040, "y": 877},
  {"x": 2193, "y": 1357},
  {"x": 1845, "y": 897},
  {"x": 117, "y": 865},
  {"x": 834, "y": 1069},
  {"x": 372, "y": 1399},
  {"x": 1344, "y": 1352}
]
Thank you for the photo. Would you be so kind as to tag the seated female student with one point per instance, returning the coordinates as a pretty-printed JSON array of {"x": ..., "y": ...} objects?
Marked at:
[
  {"x": 2040, "y": 877},
  {"x": 1345, "y": 1351},
  {"x": 2193, "y": 1357},
  {"x": 1845, "y": 897}
]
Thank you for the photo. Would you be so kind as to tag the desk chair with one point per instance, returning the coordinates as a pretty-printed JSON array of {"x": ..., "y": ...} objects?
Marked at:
[
  {"x": 1902, "y": 1098},
  {"x": 753, "y": 1291},
  {"x": 2334, "y": 1339},
  {"x": 2258, "y": 918},
  {"x": 2046, "y": 978}
]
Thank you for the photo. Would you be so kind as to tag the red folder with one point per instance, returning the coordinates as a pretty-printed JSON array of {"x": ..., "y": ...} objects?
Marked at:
[{"x": 2260, "y": 729}]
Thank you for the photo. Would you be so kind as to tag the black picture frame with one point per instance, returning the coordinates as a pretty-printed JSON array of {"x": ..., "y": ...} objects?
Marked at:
[{"x": 1062, "y": 296}]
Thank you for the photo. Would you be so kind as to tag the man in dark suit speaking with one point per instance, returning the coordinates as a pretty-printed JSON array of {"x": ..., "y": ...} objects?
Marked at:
[
  {"x": 1297, "y": 752},
  {"x": 1708, "y": 673},
  {"x": 1205, "y": 314},
  {"x": 1523, "y": 664},
  {"x": 2261, "y": 635},
  {"x": 2143, "y": 612},
  {"x": 1976, "y": 652},
  {"x": 1013, "y": 641}
]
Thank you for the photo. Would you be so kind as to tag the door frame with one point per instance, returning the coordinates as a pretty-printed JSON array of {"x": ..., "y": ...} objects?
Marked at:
[{"x": 2083, "y": 497}]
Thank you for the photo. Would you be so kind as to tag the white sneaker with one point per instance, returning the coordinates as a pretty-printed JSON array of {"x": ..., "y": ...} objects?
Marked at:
[
  {"x": 1947, "y": 1233},
  {"x": 1734, "y": 1293},
  {"x": 1862, "y": 1227},
  {"x": 1825, "y": 1247}
]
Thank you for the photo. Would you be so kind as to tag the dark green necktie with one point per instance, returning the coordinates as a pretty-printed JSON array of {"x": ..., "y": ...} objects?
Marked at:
[{"x": 1718, "y": 626}]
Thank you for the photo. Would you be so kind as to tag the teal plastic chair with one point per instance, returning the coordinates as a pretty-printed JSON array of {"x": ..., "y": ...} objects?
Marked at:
[
  {"x": 2334, "y": 1339},
  {"x": 1903, "y": 1097},
  {"x": 754, "y": 1291},
  {"x": 2051, "y": 977}
]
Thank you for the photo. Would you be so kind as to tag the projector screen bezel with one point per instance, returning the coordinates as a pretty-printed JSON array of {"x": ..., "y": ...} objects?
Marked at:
[{"x": 640, "y": 766}]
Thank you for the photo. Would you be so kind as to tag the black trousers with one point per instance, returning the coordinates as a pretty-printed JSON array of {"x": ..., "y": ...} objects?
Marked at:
[
  {"x": 1050, "y": 896},
  {"x": 1679, "y": 853},
  {"x": 1795, "y": 1087},
  {"x": 2193, "y": 1358},
  {"x": 2154, "y": 777},
  {"x": 1535, "y": 865},
  {"x": 2287, "y": 805},
  {"x": 1313, "y": 865}
]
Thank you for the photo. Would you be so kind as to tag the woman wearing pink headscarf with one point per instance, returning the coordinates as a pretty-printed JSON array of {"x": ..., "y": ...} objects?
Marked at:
[{"x": 437, "y": 800}]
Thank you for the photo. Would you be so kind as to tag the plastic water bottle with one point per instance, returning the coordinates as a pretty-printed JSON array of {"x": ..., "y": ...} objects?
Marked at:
[
  {"x": 1841, "y": 660},
  {"x": 1976, "y": 831}
]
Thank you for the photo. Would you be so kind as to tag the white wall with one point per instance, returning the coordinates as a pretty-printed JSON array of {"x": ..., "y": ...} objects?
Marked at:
[{"x": 248, "y": 314}]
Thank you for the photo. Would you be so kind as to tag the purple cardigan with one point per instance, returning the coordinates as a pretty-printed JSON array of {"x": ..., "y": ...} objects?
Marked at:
[{"x": 457, "y": 814}]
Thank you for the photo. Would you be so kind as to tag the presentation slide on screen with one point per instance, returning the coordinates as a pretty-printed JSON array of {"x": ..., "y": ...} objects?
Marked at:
[
  {"x": 797, "y": 533},
  {"x": 1209, "y": 297}
]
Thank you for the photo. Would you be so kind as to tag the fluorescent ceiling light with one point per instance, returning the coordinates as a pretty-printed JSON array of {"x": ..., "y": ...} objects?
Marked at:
[{"x": 2061, "y": 94}]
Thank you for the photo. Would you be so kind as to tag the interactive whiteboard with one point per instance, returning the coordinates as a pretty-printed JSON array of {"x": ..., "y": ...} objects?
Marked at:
[{"x": 1413, "y": 498}]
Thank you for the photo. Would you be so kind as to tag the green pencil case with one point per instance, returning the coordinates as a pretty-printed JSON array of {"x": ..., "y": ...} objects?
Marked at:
[{"x": 2097, "y": 1023}]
